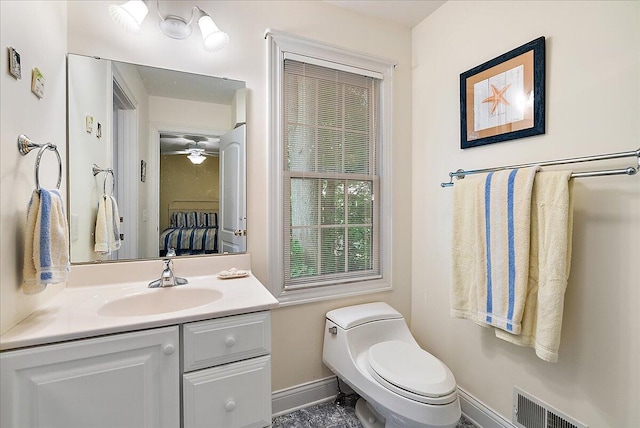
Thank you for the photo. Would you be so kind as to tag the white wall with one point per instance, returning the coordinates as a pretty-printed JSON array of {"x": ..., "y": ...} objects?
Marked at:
[
  {"x": 297, "y": 331},
  {"x": 42, "y": 44},
  {"x": 239, "y": 107},
  {"x": 171, "y": 111},
  {"x": 593, "y": 107},
  {"x": 89, "y": 94}
]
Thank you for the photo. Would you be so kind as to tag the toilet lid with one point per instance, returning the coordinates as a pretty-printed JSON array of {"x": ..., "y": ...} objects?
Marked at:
[{"x": 410, "y": 368}]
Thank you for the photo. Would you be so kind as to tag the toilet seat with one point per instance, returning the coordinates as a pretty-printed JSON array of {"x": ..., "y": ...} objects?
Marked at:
[{"x": 410, "y": 371}]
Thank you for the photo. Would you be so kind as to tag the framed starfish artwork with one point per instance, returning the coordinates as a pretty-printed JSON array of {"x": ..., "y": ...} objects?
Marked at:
[{"x": 503, "y": 99}]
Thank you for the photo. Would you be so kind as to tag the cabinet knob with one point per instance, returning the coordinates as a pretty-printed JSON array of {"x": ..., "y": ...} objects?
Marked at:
[
  {"x": 230, "y": 341},
  {"x": 230, "y": 405},
  {"x": 168, "y": 349}
]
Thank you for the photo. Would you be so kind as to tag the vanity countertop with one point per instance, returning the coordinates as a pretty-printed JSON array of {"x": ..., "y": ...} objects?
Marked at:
[{"x": 75, "y": 313}]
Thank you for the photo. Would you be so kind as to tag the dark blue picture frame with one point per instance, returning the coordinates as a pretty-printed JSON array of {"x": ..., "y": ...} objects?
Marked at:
[{"x": 533, "y": 126}]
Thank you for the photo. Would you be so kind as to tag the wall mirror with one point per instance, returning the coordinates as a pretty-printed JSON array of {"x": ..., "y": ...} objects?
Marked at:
[{"x": 158, "y": 156}]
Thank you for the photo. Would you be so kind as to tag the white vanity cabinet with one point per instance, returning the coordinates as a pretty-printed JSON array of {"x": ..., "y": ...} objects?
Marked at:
[
  {"x": 212, "y": 373},
  {"x": 122, "y": 380},
  {"x": 227, "y": 372}
]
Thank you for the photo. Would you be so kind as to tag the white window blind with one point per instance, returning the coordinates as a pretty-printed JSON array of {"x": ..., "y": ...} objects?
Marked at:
[{"x": 331, "y": 179}]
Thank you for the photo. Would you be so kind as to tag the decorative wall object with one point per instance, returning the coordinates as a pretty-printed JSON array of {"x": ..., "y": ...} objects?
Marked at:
[
  {"x": 14, "y": 63},
  {"x": 143, "y": 171},
  {"x": 503, "y": 99},
  {"x": 37, "y": 82}
]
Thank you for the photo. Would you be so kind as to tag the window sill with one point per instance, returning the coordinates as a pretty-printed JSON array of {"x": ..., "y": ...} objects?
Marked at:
[{"x": 311, "y": 295}]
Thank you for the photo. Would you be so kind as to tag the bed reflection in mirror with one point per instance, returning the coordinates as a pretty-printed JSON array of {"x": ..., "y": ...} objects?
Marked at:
[{"x": 176, "y": 144}]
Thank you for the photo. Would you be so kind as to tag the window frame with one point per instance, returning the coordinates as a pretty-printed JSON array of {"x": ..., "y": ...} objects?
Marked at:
[{"x": 282, "y": 44}]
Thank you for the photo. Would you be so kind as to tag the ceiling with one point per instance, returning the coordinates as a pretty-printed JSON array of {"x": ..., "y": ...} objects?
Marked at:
[
  {"x": 195, "y": 87},
  {"x": 408, "y": 13}
]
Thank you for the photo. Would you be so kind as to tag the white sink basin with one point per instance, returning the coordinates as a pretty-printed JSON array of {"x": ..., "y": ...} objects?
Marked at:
[{"x": 159, "y": 301}]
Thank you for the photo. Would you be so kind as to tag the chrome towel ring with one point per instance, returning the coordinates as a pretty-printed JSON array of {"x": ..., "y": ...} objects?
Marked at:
[
  {"x": 26, "y": 145},
  {"x": 97, "y": 170}
]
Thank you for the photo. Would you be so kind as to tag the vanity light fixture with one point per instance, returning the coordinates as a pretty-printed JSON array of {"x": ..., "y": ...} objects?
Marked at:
[
  {"x": 131, "y": 14},
  {"x": 196, "y": 158}
]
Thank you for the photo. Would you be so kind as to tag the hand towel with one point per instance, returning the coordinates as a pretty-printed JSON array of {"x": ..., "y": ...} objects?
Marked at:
[
  {"x": 104, "y": 233},
  {"x": 114, "y": 237},
  {"x": 46, "y": 256},
  {"x": 496, "y": 264},
  {"x": 550, "y": 262}
]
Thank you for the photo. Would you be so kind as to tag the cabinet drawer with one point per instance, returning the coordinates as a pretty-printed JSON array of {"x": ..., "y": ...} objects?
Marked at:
[
  {"x": 219, "y": 341},
  {"x": 230, "y": 396}
]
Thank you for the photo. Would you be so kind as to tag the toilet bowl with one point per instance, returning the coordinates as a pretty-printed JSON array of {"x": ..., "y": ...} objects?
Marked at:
[{"x": 371, "y": 348}]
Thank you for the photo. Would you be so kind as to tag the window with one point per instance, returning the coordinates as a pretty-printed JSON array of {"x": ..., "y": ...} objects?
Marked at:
[{"x": 330, "y": 220}]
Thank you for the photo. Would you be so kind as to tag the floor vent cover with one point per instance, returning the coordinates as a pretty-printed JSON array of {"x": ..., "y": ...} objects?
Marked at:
[{"x": 529, "y": 412}]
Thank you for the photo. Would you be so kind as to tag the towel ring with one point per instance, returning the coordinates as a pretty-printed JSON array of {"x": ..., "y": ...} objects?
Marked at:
[
  {"x": 25, "y": 145},
  {"x": 97, "y": 170}
]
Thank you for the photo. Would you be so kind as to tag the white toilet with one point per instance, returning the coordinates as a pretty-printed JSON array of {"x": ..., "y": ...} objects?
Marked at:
[{"x": 371, "y": 348}]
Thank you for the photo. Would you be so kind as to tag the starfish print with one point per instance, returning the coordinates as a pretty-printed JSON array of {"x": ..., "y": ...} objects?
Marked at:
[{"x": 497, "y": 97}]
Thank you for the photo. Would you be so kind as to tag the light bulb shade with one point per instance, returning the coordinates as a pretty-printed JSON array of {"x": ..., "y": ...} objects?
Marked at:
[
  {"x": 196, "y": 158},
  {"x": 213, "y": 38},
  {"x": 129, "y": 15}
]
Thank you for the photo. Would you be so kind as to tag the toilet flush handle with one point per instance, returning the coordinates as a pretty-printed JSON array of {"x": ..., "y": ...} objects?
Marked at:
[{"x": 333, "y": 330}]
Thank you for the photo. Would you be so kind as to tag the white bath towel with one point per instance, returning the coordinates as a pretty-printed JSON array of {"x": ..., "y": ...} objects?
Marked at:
[
  {"x": 550, "y": 262},
  {"x": 46, "y": 256},
  {"x": 491, "y": 248},
  {"x": 467, "y": 247},
  {"x": 107, "y": 232}
]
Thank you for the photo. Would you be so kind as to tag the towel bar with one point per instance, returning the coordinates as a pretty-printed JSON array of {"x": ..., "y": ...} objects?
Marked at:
[
  {"x": 632, "y": 170},
  {"x": 25, "y": 145}
]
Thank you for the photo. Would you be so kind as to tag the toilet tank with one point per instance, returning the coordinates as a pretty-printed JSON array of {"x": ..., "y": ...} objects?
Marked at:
[{"x": 353, "y": 316}]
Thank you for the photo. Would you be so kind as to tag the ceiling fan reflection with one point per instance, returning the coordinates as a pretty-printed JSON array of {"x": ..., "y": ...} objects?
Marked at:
[{"x": 195, "y": 147}]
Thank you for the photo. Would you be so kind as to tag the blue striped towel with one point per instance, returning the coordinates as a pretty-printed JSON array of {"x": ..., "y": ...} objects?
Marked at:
[
  {"x": 46, "y": 257},
  {"x": 507, "y": 223},
  {"x": 490, "y": 248}
]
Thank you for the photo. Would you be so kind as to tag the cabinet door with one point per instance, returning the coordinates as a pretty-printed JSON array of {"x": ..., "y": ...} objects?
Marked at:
[
  {"x": 124, "y": 380},
  {"x": 230, "y": 396}
]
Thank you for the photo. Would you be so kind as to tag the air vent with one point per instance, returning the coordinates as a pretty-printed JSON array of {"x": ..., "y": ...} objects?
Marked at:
[{"x": 529, "y": 412}]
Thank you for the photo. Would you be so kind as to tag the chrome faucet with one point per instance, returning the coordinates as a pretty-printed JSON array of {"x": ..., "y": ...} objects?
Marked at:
[{"x": 167, "y": 279}]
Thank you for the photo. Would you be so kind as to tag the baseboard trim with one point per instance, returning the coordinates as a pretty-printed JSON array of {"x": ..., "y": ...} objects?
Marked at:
[
  {"x": 304, "y": 395},
  {"x": 479, "y": 413},
  {"x": 322, "y": 390}
]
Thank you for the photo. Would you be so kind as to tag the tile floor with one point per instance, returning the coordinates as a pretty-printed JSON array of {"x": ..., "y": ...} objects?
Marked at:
[{"x": 331, "y": 415}]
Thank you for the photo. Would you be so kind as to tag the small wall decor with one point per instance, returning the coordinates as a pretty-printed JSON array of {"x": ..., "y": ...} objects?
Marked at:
[
  {"x": 14, "y": 63},
  {"x": 37, "y": 82},
  {"x": 143, "y": 171},
  {"x": 88, "y": 123},
  {"x": 503, "y": 99}
]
